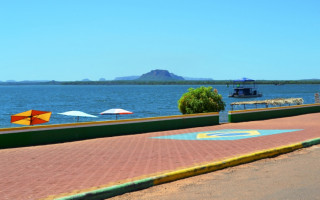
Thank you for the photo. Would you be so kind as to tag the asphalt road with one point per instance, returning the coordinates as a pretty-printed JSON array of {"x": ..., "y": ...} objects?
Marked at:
[{"x": 291, "y": 176}]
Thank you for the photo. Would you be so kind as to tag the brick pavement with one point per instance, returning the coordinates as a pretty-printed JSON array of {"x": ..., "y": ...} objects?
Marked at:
[{"x": 50, "y": 171}]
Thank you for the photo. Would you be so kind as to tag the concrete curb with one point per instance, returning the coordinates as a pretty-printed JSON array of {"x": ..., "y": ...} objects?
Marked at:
[{"x": 112, "y": 191}]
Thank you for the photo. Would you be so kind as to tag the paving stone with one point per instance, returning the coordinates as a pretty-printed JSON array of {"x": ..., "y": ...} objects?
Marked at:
[{"x": 51, "y": 170}]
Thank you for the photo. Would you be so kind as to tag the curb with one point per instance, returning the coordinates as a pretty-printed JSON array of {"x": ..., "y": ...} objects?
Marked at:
[{"x": 116, "y": 190}]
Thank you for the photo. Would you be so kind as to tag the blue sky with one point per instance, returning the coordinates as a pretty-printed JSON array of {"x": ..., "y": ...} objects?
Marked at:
[{"x": 74, "y": 40}]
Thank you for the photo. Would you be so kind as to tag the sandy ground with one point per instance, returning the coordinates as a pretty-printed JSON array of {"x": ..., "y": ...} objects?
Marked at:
[{"x": 291, "y": 176}]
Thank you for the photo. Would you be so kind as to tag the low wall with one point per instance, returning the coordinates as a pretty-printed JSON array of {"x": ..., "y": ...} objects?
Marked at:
[
  {"x": 39, "y": 135},
  {"x": 269, "y": 113}
]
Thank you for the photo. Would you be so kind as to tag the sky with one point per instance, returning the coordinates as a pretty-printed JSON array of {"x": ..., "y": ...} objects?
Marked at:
[{"x": 69, "y": 40}]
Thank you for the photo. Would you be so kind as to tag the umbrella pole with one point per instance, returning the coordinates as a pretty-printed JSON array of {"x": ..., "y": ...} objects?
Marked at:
[{"x": 31, "y": 120}]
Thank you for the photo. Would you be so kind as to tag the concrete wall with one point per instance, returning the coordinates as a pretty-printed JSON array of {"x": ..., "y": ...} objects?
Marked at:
[
  {"x": 39, "y": 135},
  {"x": 269, "y": 113}
]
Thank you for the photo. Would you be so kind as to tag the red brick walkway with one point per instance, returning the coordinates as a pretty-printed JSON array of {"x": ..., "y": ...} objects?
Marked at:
[{"x": 46, "y": 171}]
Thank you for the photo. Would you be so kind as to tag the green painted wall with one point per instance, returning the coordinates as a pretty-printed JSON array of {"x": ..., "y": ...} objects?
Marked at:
[
  {"x": 66, "y": 134},
  {"x": 248, "y": 115}
]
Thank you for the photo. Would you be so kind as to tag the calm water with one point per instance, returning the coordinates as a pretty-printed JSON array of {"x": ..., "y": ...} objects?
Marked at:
[{"x": 143, "y": 100}]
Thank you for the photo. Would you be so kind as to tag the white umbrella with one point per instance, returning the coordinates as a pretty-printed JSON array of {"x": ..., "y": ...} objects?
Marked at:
[
  {"x": 77, "y": 114},
  {"x": 116, "y": 111}
]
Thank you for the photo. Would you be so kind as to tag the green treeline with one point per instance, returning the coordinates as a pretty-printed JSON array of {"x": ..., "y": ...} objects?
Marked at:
[{"x": 135, "y": 82}]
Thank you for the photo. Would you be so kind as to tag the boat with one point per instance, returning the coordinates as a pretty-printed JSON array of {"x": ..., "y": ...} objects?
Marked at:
[{"x": 245, "y": 88}]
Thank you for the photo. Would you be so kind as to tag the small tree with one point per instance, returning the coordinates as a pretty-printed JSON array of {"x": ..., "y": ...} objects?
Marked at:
[{"x": 201, "y": 100}]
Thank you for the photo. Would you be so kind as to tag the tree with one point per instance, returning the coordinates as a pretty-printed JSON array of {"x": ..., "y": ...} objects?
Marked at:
[{"x": 201, "y": 100}]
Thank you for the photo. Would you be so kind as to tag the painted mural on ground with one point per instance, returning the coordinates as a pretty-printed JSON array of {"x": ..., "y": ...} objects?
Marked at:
[{"x": 225, "y": 134}]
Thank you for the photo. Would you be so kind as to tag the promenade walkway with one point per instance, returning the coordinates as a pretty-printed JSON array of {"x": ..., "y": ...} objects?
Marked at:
[{"x": 52, "y": 171}]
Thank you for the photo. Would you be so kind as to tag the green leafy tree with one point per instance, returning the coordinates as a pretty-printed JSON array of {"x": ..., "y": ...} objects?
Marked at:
[{"x": 201, "y": 100}]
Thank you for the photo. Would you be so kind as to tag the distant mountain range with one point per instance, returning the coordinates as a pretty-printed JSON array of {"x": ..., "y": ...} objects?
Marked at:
[
  {"x": 154, "y": 75},
  {"x": 159, "y": 75}
]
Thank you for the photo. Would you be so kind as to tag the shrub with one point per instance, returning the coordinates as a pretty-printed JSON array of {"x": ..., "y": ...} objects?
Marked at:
[{"x": 201, "y": 100}]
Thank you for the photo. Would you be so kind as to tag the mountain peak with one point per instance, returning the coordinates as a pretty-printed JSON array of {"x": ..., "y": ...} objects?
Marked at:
[{"x": 159, "y": 75}]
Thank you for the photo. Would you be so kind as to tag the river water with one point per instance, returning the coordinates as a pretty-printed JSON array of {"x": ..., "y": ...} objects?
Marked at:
[{"x": 143, "y": 100}]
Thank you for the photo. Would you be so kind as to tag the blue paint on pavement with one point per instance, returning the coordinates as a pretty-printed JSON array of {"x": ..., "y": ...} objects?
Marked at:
[{"x": 225, "y": 134}]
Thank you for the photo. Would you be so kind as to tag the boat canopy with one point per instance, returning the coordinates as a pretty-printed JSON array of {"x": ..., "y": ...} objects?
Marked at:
[{"x": 244, "y": 79}]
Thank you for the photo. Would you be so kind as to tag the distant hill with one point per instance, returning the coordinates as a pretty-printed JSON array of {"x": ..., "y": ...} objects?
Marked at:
[{"x": 160, "y": 75}]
